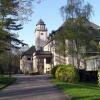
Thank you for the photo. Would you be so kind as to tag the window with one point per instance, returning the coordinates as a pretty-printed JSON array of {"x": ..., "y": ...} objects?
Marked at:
[
  {"x": 41, "y": 33},
  {"x": 48, "y": 60}
]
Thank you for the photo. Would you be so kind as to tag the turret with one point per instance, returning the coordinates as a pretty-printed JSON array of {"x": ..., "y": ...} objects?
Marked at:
[{"x": 40, "y": 34}]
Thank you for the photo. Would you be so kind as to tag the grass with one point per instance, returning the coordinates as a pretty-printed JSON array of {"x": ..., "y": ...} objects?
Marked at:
[
  {"x": 79, "y": 91},
  {"x": 5, "y": 81}
]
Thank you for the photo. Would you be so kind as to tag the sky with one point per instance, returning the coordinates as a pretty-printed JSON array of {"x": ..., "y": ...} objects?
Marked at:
[{"x": 49, "y": 12}]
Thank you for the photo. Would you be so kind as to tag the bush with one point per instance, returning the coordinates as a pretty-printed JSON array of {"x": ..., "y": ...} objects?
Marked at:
[
  {"x": 54, "y": 70},
  {"x": 99, "y": 78},
  {"x": 67, "y": 73},
  {"x": 59, "y": 72}
]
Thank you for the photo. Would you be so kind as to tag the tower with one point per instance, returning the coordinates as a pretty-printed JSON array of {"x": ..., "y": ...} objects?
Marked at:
[{"x": 40, "y": 34}]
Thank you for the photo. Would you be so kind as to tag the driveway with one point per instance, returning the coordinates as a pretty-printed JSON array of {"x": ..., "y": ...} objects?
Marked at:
[{"x": 36, "y": 87}]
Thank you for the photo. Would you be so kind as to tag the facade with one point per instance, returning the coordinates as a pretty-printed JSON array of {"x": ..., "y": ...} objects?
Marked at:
[
  {"x": 43, "y": 56},
  {"x": 90, "y": 64},
  {"x": 26, "y": 61},
  {"x": 59, "y": 58}
]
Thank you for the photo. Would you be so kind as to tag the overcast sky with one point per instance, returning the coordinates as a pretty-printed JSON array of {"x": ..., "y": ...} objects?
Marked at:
[{"x": 49, "y": 11}]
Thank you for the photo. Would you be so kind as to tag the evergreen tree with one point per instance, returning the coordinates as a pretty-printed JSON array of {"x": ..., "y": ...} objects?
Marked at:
[{"x": 11, "y": 14}]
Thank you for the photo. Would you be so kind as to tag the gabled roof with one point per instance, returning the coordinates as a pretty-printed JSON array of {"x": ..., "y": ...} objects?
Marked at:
[
  {"x": 93, "y": 25},
  {"x": 29, "y": 52},
  {"x": 88, "y": 24}
]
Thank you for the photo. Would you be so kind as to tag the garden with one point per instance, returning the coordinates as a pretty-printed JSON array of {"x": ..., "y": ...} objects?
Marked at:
[{"x": 67, "y": 78}]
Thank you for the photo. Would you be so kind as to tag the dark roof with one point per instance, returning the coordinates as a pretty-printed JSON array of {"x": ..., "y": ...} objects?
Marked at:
[
  {"x": 40, "y": 22},
  {"x": 30, "y": 51},
  {"x": 88, "y": 24},
  {"x": 93, "y": 25},
  {"x": 43, "y": 54}
]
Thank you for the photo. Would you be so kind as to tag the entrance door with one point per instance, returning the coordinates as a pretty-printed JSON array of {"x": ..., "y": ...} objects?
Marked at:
[{"x": 40, "y": 65}]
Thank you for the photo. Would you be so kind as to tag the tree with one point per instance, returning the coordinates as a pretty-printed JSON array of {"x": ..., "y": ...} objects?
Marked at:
[
  {"x": 77, "y": 13},
  {"x": 77, "y": 28},
  {"x": 11, "y": 14},
  {"x": 8, "y": 20}
]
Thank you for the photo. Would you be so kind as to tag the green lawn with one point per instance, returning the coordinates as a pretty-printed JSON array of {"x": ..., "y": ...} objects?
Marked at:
[
  {"x": 80, "y": 91},
  {"x": 5, "y": 81}
]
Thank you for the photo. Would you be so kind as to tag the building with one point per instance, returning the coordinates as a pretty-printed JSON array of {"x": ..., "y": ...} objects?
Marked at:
[
  {"x": 35, "y": 59},
  {"x": 26, "y": 60},
  {"x": 43, "y": 56}
]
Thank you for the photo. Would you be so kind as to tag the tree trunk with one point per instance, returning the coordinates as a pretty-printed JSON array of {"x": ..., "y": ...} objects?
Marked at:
[{"x": 77, "y": 53}]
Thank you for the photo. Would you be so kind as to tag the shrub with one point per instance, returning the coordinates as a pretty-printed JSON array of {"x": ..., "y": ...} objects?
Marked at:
[
  {"x": 67, "y": 73},
  {"x": 59, "y": 72},
  {"x": 54, "y": 70},
  {"x": 99, "y": 78}
]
